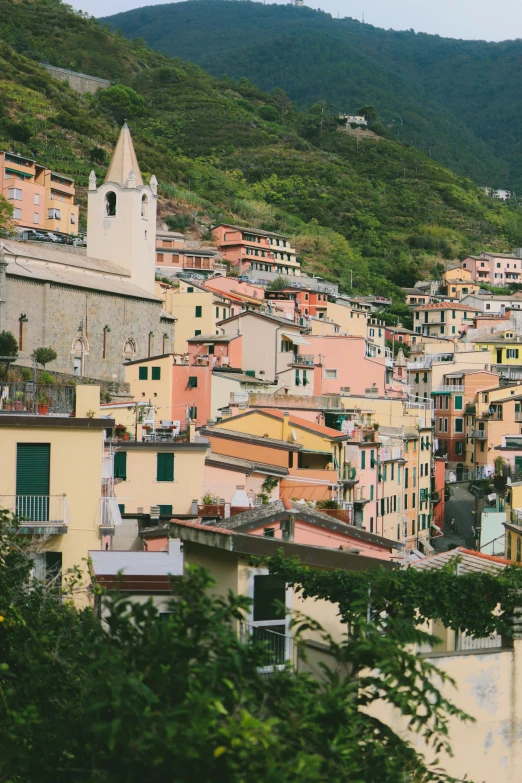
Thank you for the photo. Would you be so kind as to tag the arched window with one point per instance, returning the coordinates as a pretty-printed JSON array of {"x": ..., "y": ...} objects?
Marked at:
[
  {"x": 129, "y": 349},
  {"x": 144, "y": 206},
  {"x": 80, "y": 349},
  {"x": 110, "y": 203}
]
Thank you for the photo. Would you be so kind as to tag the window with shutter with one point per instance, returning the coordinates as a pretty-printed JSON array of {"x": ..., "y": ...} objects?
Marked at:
[
  {"x": 192, "y": 382},
  {"x": 199, "y": 311},
  {"x": 165, "y": 467},
  {"x": 33, "y": 461},
  {"x": 120, "y": 465},
  {"x": 155, "y": 373},
  {"x": 143, "y": 373},
  {"x": 165, "y": 510}
]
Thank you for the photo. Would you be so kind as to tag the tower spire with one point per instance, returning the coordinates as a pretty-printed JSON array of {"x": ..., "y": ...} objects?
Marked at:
[{"x": 124, "y": 161}]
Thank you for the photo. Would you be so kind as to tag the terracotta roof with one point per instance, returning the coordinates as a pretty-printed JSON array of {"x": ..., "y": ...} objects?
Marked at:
[
  {"x": 445, "y": 306},
  {"x": 296, "y": 421},
  {"x": 200, "y": 526},
  {"x": 469, "y": 561}
]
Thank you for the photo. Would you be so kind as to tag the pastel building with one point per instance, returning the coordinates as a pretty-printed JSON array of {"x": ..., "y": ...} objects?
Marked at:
[
  {"x": 498, "y": 269},
  {"x": 250, "y": 249},
  {"x": 41, "y": 198},
  {"x": 173, "y": 254},
  {"x": 448, "y": 319}
]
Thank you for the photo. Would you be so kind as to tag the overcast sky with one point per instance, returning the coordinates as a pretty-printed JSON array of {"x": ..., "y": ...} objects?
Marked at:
[{"x": 492, "y": 21}]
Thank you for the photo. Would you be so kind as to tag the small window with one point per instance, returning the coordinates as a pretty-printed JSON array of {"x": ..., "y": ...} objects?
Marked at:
[
  {"x": 190, "y": 289},
  {"x": 192, "y": 382},
  {"x": 36, "y": 218},
  {"x": 330, "y": 375},
  {"x": 164, "y": 467},
  {"x": 458, "y": 402},
  {"x": 110, "y": 204},
  {"x": 155, "y": 374},
  {"x": 15, "y": 194},
  {"x": 37, "y": 199},
  {"x": 197, "y": 332},
  {"x": 459, "y": 425},
  {"x": 199, "y": 311},
  {"x": 121, "y": 507},
  {"x": 17, "y": 213},
  {"x": 120, "y": 465},
  {"x": 363, "y": 459},
  {"x": 144, "y": 206},
  {"x": 143, "y": 373},
  {"x": 165, "y": 510}
]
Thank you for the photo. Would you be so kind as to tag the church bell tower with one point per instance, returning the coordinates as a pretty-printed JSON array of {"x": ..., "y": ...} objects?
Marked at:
[{"x": 121, "y": 219}]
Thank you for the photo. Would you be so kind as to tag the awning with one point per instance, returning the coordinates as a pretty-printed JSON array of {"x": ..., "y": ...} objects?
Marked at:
[
  {"x": 296, "y": 339},
  {"x": 315, "y": 451},
  {"x": 22, "y": 173}
]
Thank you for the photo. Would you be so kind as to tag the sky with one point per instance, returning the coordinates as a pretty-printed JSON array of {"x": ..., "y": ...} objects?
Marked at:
[{"x": 482, "y": 19}]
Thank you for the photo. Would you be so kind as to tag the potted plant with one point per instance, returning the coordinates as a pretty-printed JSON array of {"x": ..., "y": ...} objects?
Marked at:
[
  {"x": 8, "y": 404},
  {"x": 119, "y": 429},
  {"x": 19, "y": 401},
  {"x": 42, "y": 402}
]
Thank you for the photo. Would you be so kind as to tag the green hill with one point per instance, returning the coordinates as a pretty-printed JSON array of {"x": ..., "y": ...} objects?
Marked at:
[
  {"x": 458, "y": 101},
  {"x": 375, "y": 207}
]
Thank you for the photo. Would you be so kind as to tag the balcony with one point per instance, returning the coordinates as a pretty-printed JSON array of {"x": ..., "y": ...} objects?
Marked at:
[
  {"x": 39, "y": 514},
  {"x": 108, "y": 514},
  {"x": 306, "y": 359},
  {"x": 447, "y": 388},
  {"x": 347, "y": 474},
  {"x": 25, "y": 397},
  {"x": 516, "y": 516},
  {"x": 280, "y": 649},
  {"x": 479, "y": 434},
  {"x": 518, "y": 415}
]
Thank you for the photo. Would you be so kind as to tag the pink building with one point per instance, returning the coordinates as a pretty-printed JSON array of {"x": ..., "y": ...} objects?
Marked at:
[
  {"x": 498, "y": 269},
  {"x": 342, "y": 362},
  {"x": 249, "y": 249},
  {"x": 216, "y": 350}
]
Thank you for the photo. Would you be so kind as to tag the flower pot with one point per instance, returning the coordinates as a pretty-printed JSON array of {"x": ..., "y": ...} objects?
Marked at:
[
  {"x": 126, "y": 436},
  {"x": 43, "y": 410},
  {"x": 19, "y": 406},
  {"x": 8, "y": 406}
]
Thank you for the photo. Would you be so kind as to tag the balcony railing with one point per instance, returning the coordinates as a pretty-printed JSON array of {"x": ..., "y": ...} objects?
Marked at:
[
  {"x": 447, "y": 388},
  {"x": 347, "y": 473},
  {"x": 24, "y": 397},
  {"x": 36, "y": 511},
  {"x": 304, "y": 358},
  {"x": 108, "y": 514},
  {"x": 479, "y": 434},
  {"x": 280, "y": 648},
  {"x": 518, "y": 415},
  {"x": 516, "y": 516}
]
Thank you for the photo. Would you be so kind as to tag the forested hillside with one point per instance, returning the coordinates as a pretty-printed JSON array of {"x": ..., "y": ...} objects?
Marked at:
[
  {"x": 458, "y": 101},
  {"x": 223, "y": 149}
]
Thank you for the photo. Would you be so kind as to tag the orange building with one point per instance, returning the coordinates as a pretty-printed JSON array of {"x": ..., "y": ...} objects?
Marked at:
[{"x": 249, "y": 249}]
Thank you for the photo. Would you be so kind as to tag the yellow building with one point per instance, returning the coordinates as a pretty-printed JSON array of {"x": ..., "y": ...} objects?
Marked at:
[
  {"x": 513, "y": 523},
  {"x": 197, "y": 310},
  {"x": 61, "y": 213},
  {"x": 51, "y": 477},
  {"x": 504, "y": 347},
  {"x": 457, "y": 283},
  {"x": 151, "y": 381}
]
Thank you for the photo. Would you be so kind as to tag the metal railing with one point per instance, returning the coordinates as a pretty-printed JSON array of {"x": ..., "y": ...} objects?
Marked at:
[
  {"x": 25, "y": 397},
  {"x": 347, "y": 473},
  {"x": 108, "y": 514},
  {"x": 304, "y": 358},
  {"x": 38, "y": 509},
  {"x": 479, "y": 434},
  {"x": 516, "y": 516},
  {"x": 447, "y": 387},
  {"x": 280, "y": 648}
]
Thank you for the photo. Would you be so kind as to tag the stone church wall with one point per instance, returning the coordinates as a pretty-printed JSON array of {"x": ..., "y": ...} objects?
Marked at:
[{"x": 60, "y": 317}]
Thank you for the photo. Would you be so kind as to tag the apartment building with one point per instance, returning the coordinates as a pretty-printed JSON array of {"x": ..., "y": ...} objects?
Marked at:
[
  {"x": 495, "y": 428},
  {"x": 501, "y": 349},
  {"x": 498, "y": 269},
  {"x": 447, "y": 319},
  {"x": 173, "y": 254},
  {"x": 249, "y": 249},
  {"x": 457, "y": 283},
  {"x": 196, "y": 310},
  {"x": 41, "y": 198},
  {"x": 425, "y": 371}
]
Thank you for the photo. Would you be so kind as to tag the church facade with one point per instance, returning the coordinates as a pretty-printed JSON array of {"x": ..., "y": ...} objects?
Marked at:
[{"x": 96, "y": 309}]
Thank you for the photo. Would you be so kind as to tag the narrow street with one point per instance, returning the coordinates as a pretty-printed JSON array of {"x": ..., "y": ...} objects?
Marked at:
[{"x": 460, "y": 507}]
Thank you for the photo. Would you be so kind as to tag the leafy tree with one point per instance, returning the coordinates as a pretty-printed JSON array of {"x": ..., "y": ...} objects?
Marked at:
[
  {"x": 269, "y": 113},
  {"x": 369, "y": 113},
  {"x": 277, "y": 284},
  {"x": 44, "y": 355},
  {"x": 8, "y": 351},
  {"x": 122, "y": 103},
  {"x": 6, "y": 215}
]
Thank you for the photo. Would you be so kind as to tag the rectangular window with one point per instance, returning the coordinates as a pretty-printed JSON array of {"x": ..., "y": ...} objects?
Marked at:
[
  {"x": 121, "y": 507},
  {"x": 165, "y": 510},
  {"x": 414, "y": 476},
  {"x": 36, "y": 218},
  {"x": 17, "y": 213},
  {"x": 192, "y": 382},
  {"x": 330, "y": 374},
  {"x": 398, "y": 474},
  {"x": 406, "y": 473},
  {"x": 371, "y": 491},
  {"x": 459, "y": 425},
  {"x": 15, "y": 194},
  {"x": 405, "y": 502},
  {"x": 458, "y": 402},
  {"x": 440, "y": 425},
  {"x": 197, "y": 332},
  {"x": 512, "y": 353},
  {"x": 413, "y": 499},
  {"x": 445, "y": 425},
  {"x": 459, "y": 447},
  {"x": 120, "y": 465},
  {"x": 164, "y": 467},
  {"x": 363, "y": 460},
  {"x": 217, "y": 312},
  {"x": 143, "y": 373},
  {"x": 199, "y": 311},
  {"x": 37, "y": 199},
  {"x": 155, "y": 374},
  {"x": 193, "y": 412}
]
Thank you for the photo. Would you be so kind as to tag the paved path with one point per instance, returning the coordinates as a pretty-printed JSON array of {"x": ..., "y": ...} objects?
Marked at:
[{"x": 459, "y": 506}]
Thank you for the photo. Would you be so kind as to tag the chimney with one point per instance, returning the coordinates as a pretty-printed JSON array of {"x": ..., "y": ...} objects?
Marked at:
[{"x": 286, "y": 426}]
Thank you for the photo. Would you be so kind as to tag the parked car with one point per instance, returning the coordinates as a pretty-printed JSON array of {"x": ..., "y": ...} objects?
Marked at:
[{"x": 37, "y": 236}]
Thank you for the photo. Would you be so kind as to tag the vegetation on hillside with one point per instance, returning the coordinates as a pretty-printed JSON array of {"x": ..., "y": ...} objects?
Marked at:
[
  {"x": 376, "y": 211},
  {"x": 457, "y": 101}
]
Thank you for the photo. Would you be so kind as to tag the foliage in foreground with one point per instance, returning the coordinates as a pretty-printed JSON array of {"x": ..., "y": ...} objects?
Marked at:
[{"x": 180, "y": 700}]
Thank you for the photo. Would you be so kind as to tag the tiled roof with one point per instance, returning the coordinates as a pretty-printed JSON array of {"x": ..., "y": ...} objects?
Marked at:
[
  {"x": 445, "y": 306},
  {"x": 213, "y": 338},
  {"x": 470, "y": 562},
  {"x": 222, "y": 432},
  {"x": 60, "y": 254},
  {"x": 296, "y": 421},
  {"x": 244, "y": 464}
]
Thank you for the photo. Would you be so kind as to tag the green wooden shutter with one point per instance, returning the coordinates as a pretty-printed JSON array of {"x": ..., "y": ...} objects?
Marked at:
[
  {"x": 165, "y": 510},
  {"x": 143, "y": 373},
  {"x": 120, "y": 465},
  {"x": 165, "y": 467},
  {"x": 156, "y": 373},
  {"x": 33, "y": 465}
]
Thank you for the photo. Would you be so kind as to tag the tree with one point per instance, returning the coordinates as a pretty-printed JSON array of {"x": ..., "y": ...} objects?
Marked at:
[
  {"x": 6, "y": 217},
  {"x": 8, "y": 351},
  {"x": 369, "y": 113},
  {"x": 122, "y": 103},
  {"x": 44, "y": 355},
  {"x": 269, "y": 113},
  {"x": 277, "y": 284}
]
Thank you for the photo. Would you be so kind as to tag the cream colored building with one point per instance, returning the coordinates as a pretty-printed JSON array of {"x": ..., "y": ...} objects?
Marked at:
[
  {"x": 196, "y": 310},
  {"x": 426, "y": 370}
]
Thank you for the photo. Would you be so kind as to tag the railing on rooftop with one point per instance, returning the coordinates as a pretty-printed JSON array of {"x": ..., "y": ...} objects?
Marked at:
[
  {"x": 25, "y": 397},
  {"x": 281, "y": 650},
  {"x": 38, "y": 510}
]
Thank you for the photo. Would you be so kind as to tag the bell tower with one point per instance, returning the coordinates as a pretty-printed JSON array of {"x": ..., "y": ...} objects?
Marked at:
[{"x": 121, "y": 218}]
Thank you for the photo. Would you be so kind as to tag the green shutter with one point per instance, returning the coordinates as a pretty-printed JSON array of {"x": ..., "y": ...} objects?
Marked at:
[
  {"x": 121, "y": 506},
  {"x": 33, "y": 464},
  {"x": 199, "y": 311},
  {"x": 143, "y": 373},
  {"x": 120, "y": 465},
  {"x": 165, "y": 511},
  {"x": 156, "y": 374},
  {"x": 193, "y": 413},
  {"x": 165, "y": 467},
  {"x": 363, "y": 460},
  {"x": 192, "y": 382}
]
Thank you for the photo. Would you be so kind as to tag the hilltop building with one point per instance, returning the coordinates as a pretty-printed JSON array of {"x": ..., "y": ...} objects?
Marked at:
[
  {"x": 250, "y": 249},
  {"x": 96, "y": 309}
]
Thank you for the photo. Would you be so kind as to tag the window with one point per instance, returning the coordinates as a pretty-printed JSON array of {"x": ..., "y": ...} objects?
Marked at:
[
  {"x": 508, "y": 551},
  {"x": 363, "y": 460},
  {"x": 192, "y": 382},
  {"x": 73, "y": 219},
  {"x": 37, "y": 199},
  {"x": 518, "y": 549},
  {"x": 165, "y": 510},
  {"x": 199, "y": 311},
  {"x": 17, "y": 213},
  {"x": 330, "y": 374},
  {"x": 440, "y": 425},
  {"x": 211, "y": 349},
  {"x": 217, "y": 312},
  {"x": 164, "y": 467},
  {"x": 110, "y": 204},
  {"x": 155, "y": 374},
  {"x": 413, "y": 499},
  {"x": 459, "y": 425},
  {"x": 193, "y": 413},
  {"x": 269, "y": 601},
  {"x": 121, "y": 507},
  {"x": 458, "y": 402},
  {"x": 190, "y": 289},
  {"x": 406, "y": 474},
  {"x": 15, "y": 194},
  {"x": 120, "y": 465},
  {"x": 197, "y": 332},
  {"x": 144, "y": 206},
  {"x": 372, "y": 489},
  {"x": 405, "y": 502},
  {"x": 512, "y": 353},
  {"x": 414, "y": 476},
  {"x": 143, "y": 373},
  {"x": 459, "y": 447},
  {"x": 54, "y": 214},
  {"x": 445, "y": 425},
  {"x": 36, "y": 218}
]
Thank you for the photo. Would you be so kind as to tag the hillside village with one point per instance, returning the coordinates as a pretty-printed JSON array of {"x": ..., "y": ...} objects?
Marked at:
[{"x": 207, "y": 401}]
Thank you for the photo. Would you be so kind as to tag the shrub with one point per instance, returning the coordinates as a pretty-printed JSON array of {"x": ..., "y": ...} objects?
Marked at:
[{"x": 269, "y": 113}]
